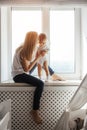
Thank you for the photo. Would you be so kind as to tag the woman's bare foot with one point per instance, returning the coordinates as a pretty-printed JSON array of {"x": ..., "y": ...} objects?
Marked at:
[
  {"x": 56, "y": 77},
  {"x": 36, "y": 117}
]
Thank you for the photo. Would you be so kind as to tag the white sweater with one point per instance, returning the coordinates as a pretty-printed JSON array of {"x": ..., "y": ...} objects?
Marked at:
[{"x": 16, "y": 66}]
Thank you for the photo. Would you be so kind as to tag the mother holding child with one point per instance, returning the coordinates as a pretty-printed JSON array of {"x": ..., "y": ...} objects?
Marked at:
[{"x": 25, "y": 59}]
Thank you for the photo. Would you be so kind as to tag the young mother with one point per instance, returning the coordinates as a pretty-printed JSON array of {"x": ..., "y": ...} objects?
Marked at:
[{"x": 25, "y": 59}]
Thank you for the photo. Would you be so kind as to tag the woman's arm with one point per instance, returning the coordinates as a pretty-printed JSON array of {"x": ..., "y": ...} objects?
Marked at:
[
  {"x": 32, "y": 64},
  {"x": 27, "y": 65}
]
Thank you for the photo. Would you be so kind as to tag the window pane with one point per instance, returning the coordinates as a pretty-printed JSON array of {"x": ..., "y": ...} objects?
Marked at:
[
  {"x": 62, "y": 41},
  {"x": 22, "y": 22}
]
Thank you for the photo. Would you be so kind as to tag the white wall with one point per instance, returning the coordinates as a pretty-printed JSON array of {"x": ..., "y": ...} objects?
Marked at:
[
  {"x": 84, "y": 40},
  {"x": 41, "y": 2},
  {"x": 0, "y": 44},
  {"x": 4, "y": 49},
  {"x": 4, "y": 44}
]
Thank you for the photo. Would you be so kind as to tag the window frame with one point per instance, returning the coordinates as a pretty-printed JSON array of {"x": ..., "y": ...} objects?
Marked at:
[
  {"x": 25, "y": 9},
  {"x": 78, "y": 58},
  {"x": 46, "y": 29},
  {"x": 77, "y": 42}
]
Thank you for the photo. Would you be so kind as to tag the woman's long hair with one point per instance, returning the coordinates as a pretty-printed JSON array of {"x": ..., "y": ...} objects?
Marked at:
[{"x": 29, "y": 45}]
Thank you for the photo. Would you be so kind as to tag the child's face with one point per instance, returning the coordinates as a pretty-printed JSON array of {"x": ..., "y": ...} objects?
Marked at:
[{"x": 43, "y": 42}]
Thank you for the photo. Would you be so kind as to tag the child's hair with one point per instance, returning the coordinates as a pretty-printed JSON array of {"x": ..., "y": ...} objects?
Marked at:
[{"x": 42, "y": 36}]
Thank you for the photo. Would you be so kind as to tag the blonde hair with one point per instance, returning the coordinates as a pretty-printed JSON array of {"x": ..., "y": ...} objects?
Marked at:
[
  {"x": 29, "y": 45},
  {"x": 42, "y": 36}
]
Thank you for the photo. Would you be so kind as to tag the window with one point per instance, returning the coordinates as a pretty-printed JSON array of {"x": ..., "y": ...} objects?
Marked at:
[
  {"x": 62, "y": 27},
  {"x": 22, "y": 22},
  {"x": 62, "y": 49}
]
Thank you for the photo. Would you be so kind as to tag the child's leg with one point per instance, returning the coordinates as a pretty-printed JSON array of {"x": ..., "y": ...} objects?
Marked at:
[
  {"x": 46, "y": 68},
  {"x": 39, "y": 70}
]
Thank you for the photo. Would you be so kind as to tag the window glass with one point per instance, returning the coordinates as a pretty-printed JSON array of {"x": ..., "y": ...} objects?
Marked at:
[
  {"x": 62, "y": 49},
  {"x": 22, "y": 22}
]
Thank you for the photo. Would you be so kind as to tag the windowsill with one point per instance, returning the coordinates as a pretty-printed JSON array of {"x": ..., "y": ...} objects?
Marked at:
[{"x": 11, "y": 83}]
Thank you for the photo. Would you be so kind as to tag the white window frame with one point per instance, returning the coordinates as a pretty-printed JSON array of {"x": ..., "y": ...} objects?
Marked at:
[
  {"x": 46, "y": 29},
  {"x": 5, "y": 49}
]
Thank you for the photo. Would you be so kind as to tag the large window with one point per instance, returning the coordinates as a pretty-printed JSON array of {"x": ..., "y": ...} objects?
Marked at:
[
  {"x": 22, "y": 22},
  {"x": 63, "y": 31},
  {"x": 62, "y": 49}
]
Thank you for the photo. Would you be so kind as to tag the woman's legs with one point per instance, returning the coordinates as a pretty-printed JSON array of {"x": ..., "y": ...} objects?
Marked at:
[{"x": 24, "y": 78}]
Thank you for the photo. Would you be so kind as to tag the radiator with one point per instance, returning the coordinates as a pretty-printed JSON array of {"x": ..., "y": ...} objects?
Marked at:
[{"x": 53, "y": 102}]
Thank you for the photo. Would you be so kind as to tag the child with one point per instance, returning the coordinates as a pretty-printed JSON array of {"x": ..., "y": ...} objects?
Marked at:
[{"x": 43, "y": 61}]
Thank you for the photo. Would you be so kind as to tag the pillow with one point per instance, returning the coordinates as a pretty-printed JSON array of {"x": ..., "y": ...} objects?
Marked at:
[
  {"x": 4, "y": 121},
  {"x": 77, "y": 123},
  {"x": 1, "y": 109},
  {"x": 5, "y": 107},
  {"x": 76, "y": 118}
]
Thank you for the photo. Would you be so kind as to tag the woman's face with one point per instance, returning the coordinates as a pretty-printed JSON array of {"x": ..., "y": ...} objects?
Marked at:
[{"x": 37, "y": 44}]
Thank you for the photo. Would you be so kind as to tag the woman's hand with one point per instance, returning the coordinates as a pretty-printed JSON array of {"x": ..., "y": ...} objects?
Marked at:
[
  {"x": 43, "y": 53},
  {"x": 24, "y": 63},
  {"x": 40, "y": 54}
]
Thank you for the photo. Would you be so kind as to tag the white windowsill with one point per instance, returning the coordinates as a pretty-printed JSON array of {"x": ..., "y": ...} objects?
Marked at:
[{"x": 11, "y": 83}]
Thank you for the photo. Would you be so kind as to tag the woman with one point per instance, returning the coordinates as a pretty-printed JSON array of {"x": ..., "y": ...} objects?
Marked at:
[{"x": 25, "y": 59}]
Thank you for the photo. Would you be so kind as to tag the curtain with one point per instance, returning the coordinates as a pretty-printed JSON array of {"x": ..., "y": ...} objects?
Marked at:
[{"x": 78, "y": 100}]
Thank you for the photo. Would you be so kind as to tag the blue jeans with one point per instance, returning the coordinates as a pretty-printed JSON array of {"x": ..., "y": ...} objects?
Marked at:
[
  {"x": 25, "y": 78},
  {"x": 50, "y": 69}
]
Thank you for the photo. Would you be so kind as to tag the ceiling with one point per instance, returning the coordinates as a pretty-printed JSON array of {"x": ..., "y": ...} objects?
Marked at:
[{"x": 43, "y": 2}]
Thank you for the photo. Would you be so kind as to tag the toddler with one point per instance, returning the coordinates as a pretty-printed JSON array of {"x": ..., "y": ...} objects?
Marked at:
[{"x": 42, "y": 63}]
